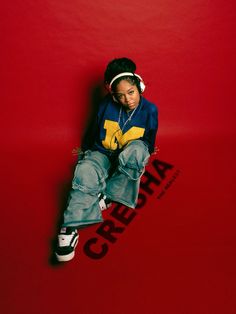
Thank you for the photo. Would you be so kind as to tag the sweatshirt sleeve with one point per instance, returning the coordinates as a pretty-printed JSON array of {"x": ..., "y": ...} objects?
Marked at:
[{"x": 151, "y": 130}]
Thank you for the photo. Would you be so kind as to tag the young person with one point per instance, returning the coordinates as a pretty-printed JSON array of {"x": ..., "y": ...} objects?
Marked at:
[{"x": 111, "y": 165}]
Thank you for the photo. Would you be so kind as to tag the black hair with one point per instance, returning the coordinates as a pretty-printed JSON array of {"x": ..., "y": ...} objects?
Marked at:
[{"x": 120, "y": 65}]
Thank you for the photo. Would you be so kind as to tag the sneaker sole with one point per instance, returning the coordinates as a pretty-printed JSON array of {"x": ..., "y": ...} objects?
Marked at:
[{"x": 68, "y": 257}]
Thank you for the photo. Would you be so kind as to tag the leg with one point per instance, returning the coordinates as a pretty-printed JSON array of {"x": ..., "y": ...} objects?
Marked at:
[
  {"x": 83, "y": 205},
  {"x": 89, "y": 180},
  {"x": 123, "y": 186}
]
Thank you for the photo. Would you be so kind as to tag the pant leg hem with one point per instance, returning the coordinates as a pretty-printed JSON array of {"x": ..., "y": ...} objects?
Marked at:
[
  {"x": 81, "y": 223},
  {"x": 119, "y": 200}
]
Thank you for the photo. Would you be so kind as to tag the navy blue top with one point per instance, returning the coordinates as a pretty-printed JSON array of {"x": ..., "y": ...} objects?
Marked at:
[{"x": 114, "y": 127}]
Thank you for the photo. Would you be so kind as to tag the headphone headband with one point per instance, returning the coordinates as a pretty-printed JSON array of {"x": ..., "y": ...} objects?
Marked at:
[
  {"x": 128, "y": 74},
  {"x": 120, "y": 75}
]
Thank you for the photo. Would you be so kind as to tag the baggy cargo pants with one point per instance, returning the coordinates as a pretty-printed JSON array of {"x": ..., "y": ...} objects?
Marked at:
[{"x": 91, "y": 177}]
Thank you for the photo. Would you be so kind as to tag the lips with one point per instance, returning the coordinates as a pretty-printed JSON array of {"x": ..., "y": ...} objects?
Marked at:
[{"x": 131, "y": 105}]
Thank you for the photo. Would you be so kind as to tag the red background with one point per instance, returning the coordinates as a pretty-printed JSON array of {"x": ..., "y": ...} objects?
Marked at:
[{"x": 178, "y": 254}]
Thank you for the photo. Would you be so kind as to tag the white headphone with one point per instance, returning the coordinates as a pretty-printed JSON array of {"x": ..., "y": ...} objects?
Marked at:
[{"x": 141, "y": 82}]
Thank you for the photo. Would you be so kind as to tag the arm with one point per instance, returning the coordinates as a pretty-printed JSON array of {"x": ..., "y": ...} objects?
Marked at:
[{"x": 151, "y": 130}]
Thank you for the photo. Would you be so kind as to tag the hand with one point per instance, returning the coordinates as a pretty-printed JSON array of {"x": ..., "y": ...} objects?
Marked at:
[{"x": 156, "y": 149}]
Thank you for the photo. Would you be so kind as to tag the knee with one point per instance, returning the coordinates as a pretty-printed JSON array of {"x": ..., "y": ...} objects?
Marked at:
[
  {"x": 86, "y": 178},
  {"x": 135, "y": 155},
  {"x": 132, "y": 160}
]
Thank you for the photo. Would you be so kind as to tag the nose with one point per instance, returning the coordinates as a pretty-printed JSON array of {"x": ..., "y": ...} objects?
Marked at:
[{"x": 127, "y": 98}]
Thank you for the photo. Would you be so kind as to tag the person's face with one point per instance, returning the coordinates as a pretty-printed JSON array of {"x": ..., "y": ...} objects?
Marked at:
[{"x": 127, "y": 95}]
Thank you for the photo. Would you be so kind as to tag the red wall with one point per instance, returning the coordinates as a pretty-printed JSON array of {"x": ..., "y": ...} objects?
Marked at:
[{"x": 178, "y": 253}]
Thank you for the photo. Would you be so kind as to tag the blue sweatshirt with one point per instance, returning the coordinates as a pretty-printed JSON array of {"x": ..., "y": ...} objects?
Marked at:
[{"x": 115, "y": 128}]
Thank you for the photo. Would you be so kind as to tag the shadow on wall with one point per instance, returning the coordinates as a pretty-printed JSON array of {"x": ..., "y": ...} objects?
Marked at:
[{"x": 96, "y": 94}]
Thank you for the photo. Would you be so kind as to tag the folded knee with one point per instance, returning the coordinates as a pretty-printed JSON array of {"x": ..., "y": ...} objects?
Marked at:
[
  {"x": 134, "y": 156},
  {"x": 88, "y": 178}
]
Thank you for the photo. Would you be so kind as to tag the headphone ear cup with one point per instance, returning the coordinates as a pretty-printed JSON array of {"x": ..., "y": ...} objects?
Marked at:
[
  {"x": 141, "y": 83},
  {"x": 142, "y": 86},
  {"x": 114, "y": 98}
]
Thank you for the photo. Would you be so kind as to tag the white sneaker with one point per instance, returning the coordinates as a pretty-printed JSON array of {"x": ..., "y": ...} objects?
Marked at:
[
  {"x": 104, "y": 202},
  {"x": 67, "y": 240}
]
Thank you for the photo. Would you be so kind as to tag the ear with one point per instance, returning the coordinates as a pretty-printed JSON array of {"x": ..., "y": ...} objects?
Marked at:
[
  {"x": 107, "y": 87},
  {"x": 114, "y": 98}
]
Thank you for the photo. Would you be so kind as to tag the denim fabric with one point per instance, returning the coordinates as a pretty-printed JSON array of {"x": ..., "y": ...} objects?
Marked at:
[
  {"x": 92, "y": 177},
  {"x": 89, "y": 180},
  {"x": 123, "y": 186}
]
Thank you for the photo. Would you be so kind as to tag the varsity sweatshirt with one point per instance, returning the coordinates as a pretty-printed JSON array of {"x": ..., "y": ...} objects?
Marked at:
[{"x": 115, "y": 127}]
